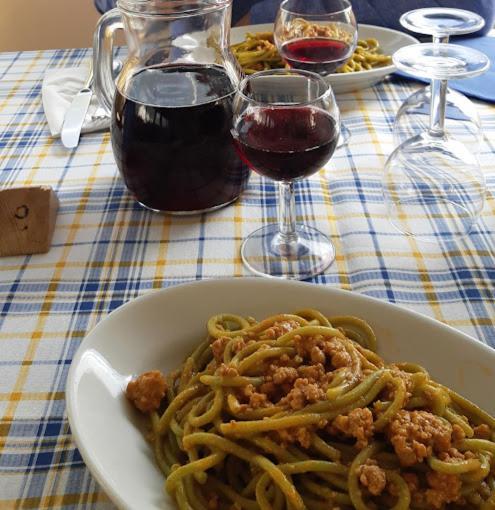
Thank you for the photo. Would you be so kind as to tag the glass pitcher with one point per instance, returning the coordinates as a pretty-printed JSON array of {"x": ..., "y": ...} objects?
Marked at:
[{"x": 171, "y": 104}]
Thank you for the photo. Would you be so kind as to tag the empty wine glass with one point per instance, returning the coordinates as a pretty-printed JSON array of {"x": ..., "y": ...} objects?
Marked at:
[
  {"x": 434, "y": 187},
  {"x": 316, "y": 36},
  {"x": 286, "y": 127},
  {"x": 461, "y": 117}
]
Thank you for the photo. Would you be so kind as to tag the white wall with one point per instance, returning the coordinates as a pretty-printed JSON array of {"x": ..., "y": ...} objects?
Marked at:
[{"x": 43, "y": 24}]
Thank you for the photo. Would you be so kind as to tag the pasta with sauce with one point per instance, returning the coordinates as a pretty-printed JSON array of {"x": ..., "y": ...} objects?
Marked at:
[
  {"x": 298, "y": 411},
  {"x": 259, "y": 53}
]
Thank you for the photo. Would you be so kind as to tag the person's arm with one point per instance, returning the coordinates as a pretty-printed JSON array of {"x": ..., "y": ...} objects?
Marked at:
[
  {"x": 240, "y": 11},
  {"x": 103, "y": 6},
  {"x": 387, "y": 12},
  {"x": 264, "y": 11}
]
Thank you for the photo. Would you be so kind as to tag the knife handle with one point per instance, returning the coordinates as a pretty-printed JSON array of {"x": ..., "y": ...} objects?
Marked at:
[{"x": 74, "y": 118}]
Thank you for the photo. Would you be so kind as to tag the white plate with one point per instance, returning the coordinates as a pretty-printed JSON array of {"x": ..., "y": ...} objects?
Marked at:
[
  {"x": 160, "y": 328},
  {"x": 390, "y": 41}
]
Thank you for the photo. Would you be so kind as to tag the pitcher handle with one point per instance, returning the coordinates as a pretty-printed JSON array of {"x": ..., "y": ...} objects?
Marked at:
[{"x": 104, "y": 84}]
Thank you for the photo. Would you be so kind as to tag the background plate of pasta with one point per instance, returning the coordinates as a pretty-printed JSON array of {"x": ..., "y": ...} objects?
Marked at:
[
  {"x": 372, "y": 62},
  {"x": 255, "y": 394}
]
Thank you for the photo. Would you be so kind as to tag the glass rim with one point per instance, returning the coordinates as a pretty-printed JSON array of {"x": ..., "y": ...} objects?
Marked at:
[
  {"x": 143, "y": 8},
  {"x": 270, "y": 72},
  {"x": 308, "y": 15},
  {"x": 442, "y": 31}
]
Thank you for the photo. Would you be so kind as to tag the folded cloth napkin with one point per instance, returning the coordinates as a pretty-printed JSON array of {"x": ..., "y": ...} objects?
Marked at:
[
  {"x": 481, "y": 87},
  {"x": 59, "y": 87}
]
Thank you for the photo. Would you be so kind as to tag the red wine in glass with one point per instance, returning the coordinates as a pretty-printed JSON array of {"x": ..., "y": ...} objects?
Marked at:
[
  {"x": 286, "y": 143},
  {"x": 319, "y": 54}
]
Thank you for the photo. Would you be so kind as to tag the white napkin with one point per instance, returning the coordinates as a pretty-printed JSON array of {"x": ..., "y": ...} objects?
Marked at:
[{"x": 60, "y": 85}]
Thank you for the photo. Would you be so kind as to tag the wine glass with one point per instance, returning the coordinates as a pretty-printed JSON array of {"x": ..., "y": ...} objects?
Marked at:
[
  {"x": 286, "y": 127},
  {"x": 461, "y": 118},
  {"x": 318, "y": 36},
  {"x": 434, "y": 187}
]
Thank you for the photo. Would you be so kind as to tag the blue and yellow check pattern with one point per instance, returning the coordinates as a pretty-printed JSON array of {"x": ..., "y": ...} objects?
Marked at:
[{"x": 107, "y": 250}]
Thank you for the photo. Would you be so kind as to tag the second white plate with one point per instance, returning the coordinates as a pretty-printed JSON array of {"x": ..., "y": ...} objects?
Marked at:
[{"x": 390, "y": 41}]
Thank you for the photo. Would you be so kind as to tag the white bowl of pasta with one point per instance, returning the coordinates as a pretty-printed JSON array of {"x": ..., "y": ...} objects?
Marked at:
[
  {"x": 301, "y": 448},
  {"x": 389, "y": 42}
]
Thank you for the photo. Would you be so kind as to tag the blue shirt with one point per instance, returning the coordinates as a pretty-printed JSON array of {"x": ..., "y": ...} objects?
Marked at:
[{"x": 374, "y": 12}]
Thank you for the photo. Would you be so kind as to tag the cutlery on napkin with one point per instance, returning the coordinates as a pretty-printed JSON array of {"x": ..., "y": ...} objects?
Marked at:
[
  {"x": 75, "y": 115},
  {"x": 60, "y": 86}
]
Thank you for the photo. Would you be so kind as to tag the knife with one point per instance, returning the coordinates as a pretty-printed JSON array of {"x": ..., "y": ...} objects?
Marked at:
[{"x": 74, "y": 117}]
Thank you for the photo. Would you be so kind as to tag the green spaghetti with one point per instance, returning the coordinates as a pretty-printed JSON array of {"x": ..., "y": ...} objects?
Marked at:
[{"x": 299, "y": 412}]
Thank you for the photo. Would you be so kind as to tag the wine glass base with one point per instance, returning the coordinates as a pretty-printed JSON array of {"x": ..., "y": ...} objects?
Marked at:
[
  {"x": 442, "y": 21},
  {"x": 441, "y": 61},
  {"x": 434, "y": 189},
  {"x": 266, "y": 253}
]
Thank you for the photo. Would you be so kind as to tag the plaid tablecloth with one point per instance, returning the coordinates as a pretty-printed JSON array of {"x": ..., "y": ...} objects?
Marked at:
[{"x": 107, "y": 250}]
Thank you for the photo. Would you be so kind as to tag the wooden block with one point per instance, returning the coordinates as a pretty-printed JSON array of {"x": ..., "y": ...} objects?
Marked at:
[{"x": 27, "y": 220}]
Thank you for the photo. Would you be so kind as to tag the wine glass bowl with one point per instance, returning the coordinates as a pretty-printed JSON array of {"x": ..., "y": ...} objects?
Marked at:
[
  {"x": 286, "y": 143},
  {"x": 433, "y": 188},
  {"x": 286, "y": 127},
  {"x": 316, "y": 36}
]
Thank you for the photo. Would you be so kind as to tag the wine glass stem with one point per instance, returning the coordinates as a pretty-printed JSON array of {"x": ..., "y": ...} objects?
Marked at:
[
  {"x": 437, "y": 107},
  {"x": 287, "y": 211},
  {"x": 440, "y": 39}
]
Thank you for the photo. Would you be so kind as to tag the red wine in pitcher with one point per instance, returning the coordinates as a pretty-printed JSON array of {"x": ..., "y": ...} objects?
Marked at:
[
  {"x": 286, "y": 143},
  {"x": 171, "y": 137},
  {"x": 320, "y": 54}
]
